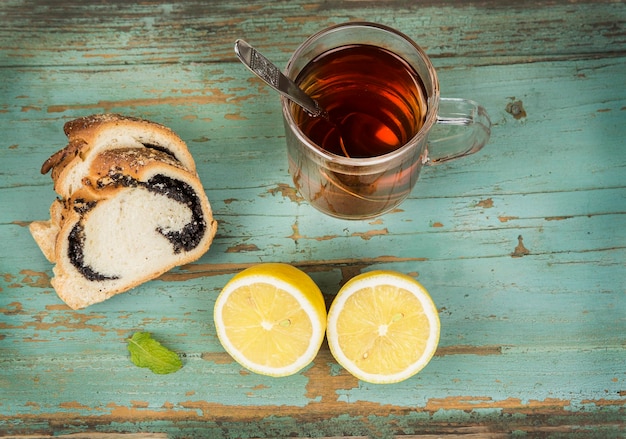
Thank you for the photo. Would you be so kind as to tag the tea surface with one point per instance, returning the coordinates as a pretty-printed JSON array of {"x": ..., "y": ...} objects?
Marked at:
[{"x": 375, "y": 101}]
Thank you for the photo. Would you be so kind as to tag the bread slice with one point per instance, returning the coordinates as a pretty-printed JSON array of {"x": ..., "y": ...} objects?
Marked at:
[{"x": 137, "y": 213}]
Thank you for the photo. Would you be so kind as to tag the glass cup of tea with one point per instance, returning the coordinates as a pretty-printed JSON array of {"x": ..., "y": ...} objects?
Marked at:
[{"x": 384, "y": 120}]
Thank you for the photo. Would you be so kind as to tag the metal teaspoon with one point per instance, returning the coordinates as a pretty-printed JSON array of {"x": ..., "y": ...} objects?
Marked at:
[{"x": 272, "y": 76}]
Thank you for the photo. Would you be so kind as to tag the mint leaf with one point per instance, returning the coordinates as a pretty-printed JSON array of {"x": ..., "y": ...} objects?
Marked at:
[{"x": 147, "y": 352}]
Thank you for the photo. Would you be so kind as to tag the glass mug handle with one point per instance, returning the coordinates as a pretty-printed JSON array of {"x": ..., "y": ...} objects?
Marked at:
[{"x": 463, "y": 127}]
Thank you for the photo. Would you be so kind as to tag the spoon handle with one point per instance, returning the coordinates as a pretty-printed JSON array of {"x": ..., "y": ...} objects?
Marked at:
[{"x": 272, "y": 76}]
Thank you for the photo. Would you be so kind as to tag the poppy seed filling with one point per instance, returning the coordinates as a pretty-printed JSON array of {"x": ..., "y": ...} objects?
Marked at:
[{"x": 181, "y": 240}]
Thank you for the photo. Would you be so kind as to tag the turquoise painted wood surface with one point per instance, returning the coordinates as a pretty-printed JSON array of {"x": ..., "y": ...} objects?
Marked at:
[{"x": 523, "y": 245}]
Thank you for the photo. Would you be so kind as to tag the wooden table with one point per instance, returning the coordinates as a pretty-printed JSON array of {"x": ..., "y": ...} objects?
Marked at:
[{"x": 523, "y": 245}]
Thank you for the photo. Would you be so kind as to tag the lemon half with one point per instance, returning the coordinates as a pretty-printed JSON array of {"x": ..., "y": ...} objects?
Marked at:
[
  {"x": 383, "y": 327},
  {"x": 271, "y": 318}
]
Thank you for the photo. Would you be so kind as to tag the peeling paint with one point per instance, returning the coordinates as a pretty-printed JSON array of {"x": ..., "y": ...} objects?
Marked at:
[
  {"x": 468, "y": 350},
  {"x": 242, "y": 248},
  {"x": 487, "y": 203},
  {"x": 233, "y": 116},
  {"x": 371, "y": 233},
  {"x": 557, "y": 218},
  {"x": 12, "y": 309},
  {"x": 605, "y": 402},
  {"x": 73, "y": 405},
  {"x": 286, "y": 191},
  {"x": 36, "y": 279},
  {"x": 216, "y": 97},
  {"x": 520, "y": 250},
  {"x": 69, "y": 321},
  {"x": 516, "y": 109},
  {"x": 192, "y": 271},
  {"x": 297, "y": 236},
  {"x": 218, "y": 357},
  {"x": 319, "y": 396}
]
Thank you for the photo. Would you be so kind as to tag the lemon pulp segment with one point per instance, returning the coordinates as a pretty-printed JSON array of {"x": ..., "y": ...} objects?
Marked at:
[
  {"x": 267, "y": 325},
  {"x": 382, "y": 329}
]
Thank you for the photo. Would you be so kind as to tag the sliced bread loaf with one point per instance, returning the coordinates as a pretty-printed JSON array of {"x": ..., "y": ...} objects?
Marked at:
[{"x": 135, "y": 213}]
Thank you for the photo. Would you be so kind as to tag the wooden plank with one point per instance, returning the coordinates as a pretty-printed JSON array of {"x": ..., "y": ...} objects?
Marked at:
[
  {"x": 210, "y": 109},
  {"x": 195, "y": 31}
]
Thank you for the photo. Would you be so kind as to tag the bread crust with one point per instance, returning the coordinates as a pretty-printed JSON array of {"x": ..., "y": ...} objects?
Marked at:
[
  {"x": 45, "y": 232},
  {"x": 88, "y": 136},
  {"x": 106, "y": 161}
]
